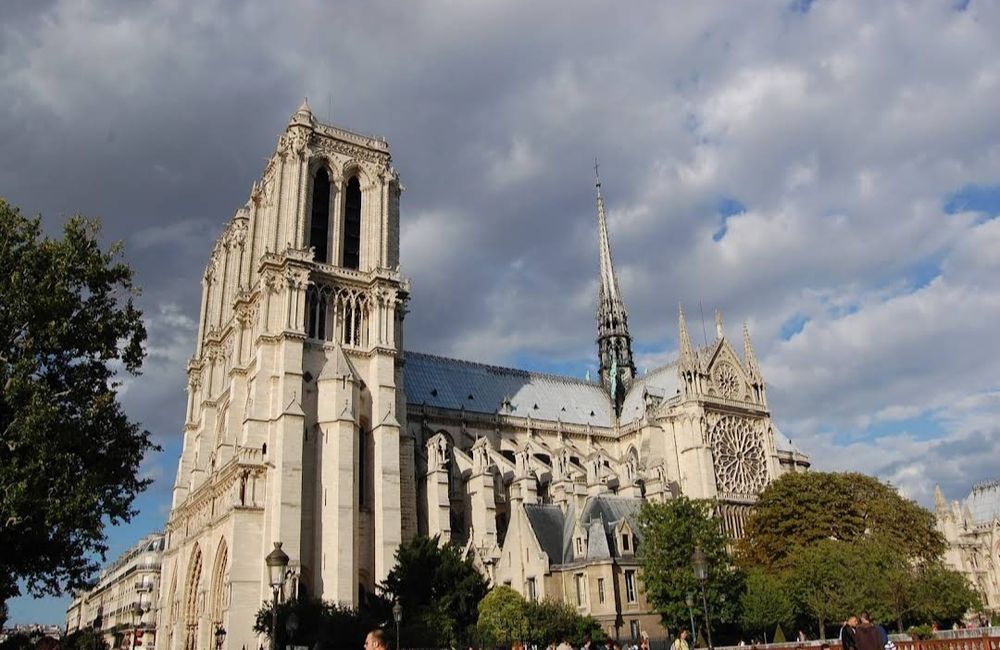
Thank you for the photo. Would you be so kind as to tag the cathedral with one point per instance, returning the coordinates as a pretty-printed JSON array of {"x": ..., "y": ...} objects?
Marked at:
[{"x": 308, "y": 424}]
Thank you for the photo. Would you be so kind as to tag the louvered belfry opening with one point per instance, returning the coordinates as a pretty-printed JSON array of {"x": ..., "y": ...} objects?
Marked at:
[
  {"x": 352, "y": 224},
  {"x": 319, "y": 226}
]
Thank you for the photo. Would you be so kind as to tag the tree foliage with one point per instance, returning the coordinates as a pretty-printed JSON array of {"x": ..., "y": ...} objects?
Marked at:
[
  {"x": 799, "y": 509},
  {"x": 439, "y": 591},
  {"x": 671, "y": 531},
  {"x": 942, "y": 594},
  {"x": 69, "y": 454},
  {"x": 84, "y": 639},
  {"x": 550, "y": 621},
  {"x": 765, "y": 603},
  {"x": 823, "y": 580},
  {"x": 323, "y": 624},
  {"x": 503, "y": 616}
]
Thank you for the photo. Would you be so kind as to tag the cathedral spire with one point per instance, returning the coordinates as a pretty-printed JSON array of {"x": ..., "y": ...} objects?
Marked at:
[
  {"x": 687, "y": 352},
  {"x": 940, "y": 505},
  {"x": 614, "y": 343},
  {"x": 688, "y": 368},
  {"x": 757, "y": 385},
  {"x": 748, "y": 354}
]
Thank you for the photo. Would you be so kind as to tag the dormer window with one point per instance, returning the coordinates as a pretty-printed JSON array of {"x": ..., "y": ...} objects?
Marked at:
[
  {"x": 579, "y": 546},
  {"x": 626, "y": 543}
]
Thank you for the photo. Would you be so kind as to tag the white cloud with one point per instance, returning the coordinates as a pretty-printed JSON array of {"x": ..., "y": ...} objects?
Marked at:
[{"x": 841, "y": 130}]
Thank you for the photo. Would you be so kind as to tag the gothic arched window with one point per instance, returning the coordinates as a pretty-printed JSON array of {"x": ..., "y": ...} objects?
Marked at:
[
  {"x": 352, "y": 224},
  {"x": 319, "y": 226}
]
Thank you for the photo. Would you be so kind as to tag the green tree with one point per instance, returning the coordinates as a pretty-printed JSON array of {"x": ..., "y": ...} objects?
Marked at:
[
  {"x": 765, "y": 603},
  {"x": 321, "y": 622},
  {"x": 823, "y": 580},
  {"x": 800, "y": 509},
  {"x": 943, "y": 595},
  {"x": 503, "y": 615},
  {"x": 84, "y": 639},
  {"x": 671, "y": 530},
  {"x": 439, "y": 591},
  {"x": 68, "y": 330},
  {"x": 549, "y": 621}
]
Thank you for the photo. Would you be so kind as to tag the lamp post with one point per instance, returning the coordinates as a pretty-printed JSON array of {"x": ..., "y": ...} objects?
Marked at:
[
  {"x": 700, "y": 565},
  {"x": 690, "y": 603},
  {"x": 292, "y": 626},
  {"x": 220, "y": 636},
  {"x": 397, "y": 615},
  {"x": 277, "y": 561}
]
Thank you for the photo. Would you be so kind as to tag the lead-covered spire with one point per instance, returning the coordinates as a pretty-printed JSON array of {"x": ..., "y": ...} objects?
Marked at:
[{"x": 614, "y": 343}]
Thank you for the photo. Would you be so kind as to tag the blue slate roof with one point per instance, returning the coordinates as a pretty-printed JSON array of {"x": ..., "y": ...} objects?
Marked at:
[
  {"x": 984, "y": 502},
  {"x": 453, "y": 384},
  {"x": 600, "y": 515}
]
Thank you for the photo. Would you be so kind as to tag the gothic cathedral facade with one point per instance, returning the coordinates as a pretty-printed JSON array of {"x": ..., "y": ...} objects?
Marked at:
[{"x": 307, "y": 423}]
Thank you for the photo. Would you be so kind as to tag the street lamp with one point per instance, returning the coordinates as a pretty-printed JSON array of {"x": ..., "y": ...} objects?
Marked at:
[
  {"x": 220, "y": 636},
  {"x": 277, "y": 561},
  {"x": 700, "y": 565},
  {"x": 690, "y": 603},
  {"x": 397, "y": 615}
]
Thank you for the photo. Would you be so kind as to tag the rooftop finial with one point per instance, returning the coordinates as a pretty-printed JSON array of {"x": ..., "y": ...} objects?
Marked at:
[{"x": 597, "y": 173}]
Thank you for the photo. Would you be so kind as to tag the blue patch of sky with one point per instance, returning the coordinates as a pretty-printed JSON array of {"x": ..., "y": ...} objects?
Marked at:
[
  {"x": 793, "y": 326},
  {"x": 153, "y": 506},
  {"x": 960, "y": 5},
  {"x": 924, "y": 272},
  {"x": 840, "y": 311},
  {"x": 922, "y": 427},
  {"x": 800, "y": 6},
  {"x": 726, "y": 208},
  {"x": 974, "y": 198}
]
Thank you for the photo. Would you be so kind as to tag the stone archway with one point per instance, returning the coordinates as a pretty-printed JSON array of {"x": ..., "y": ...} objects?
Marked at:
[
  {"x": 191, "y": 600},
  {"x": 219, "y": 586}
]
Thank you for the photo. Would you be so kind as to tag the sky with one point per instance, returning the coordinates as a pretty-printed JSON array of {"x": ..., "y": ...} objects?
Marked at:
[{"x": 827, "y": 171}]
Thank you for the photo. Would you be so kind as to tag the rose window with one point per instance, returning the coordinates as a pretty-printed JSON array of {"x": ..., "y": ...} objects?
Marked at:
[
  {"x": 727, "y": 381},
  {"x": 739, "y": 454}
]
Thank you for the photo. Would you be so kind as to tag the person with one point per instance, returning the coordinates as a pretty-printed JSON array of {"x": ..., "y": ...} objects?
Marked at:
[
  {"x": 681, "y": 642},
  {"x": 866, "y": 635},
  {"x": 587, "y": 643},
  {"x": 644, "y": 644},
  {"x": 565, "y": 645},
  {"x": 375, "y": 640},
  {"x": 847, "y": 641},
  {"x": 802, "y": 637}
]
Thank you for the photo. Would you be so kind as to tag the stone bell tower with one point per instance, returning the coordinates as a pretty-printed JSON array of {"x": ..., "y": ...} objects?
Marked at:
[{"x": 295, "y": 417}]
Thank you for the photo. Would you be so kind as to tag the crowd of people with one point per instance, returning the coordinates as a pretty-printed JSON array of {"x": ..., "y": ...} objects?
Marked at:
[
  {"x": 857, "y": 633},
  {"x": 860, "y": 633}
]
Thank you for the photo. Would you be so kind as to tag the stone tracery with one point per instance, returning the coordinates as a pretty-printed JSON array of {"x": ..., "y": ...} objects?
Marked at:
[{"x": 739, "y": 454}]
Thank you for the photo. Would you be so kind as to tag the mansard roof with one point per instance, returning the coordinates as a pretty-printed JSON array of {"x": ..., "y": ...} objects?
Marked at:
[
  {"x": 600, "y": 515},
  {"x": 454, "y": 384},
  {"x": 547, "y": 523},
  {"x": 984, "y": 501}
]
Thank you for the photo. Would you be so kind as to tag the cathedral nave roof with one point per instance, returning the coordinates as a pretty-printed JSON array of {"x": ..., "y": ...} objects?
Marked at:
[
  {"x": 453, "y": 384},
  {"x": 984, "y": 501}
]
